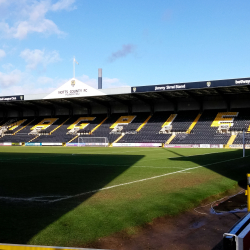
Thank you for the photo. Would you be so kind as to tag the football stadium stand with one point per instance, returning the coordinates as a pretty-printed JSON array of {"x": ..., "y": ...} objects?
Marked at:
[
  {"x": 212, "y": 127},
  {"x": 214, "y": 112}
]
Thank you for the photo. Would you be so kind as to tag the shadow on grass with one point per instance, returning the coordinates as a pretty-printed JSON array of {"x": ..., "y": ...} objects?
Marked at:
[
  {"x": 223, "y": 163},
  {"x": 30, "y": 175},
  {"x": 49, "y": 177},
  {"x": 229, "y": 164},
  {"x": 172, "y": 151}
]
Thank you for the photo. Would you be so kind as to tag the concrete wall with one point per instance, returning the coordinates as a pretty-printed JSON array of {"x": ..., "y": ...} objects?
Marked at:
[
  {"x": 140, "y": 107},
  {"x": 119, "y": 108},
  {"x": 99, "y": 109},
  {"x": 163, "y": 106},
  {"x": 240, "y": 103}
]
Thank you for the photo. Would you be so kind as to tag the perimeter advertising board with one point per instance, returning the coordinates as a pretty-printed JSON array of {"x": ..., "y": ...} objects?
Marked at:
[
  {"x": 193, "y": 146},
  {"x": 137, "y": 144},
  {"x": 192, "y": 85}
]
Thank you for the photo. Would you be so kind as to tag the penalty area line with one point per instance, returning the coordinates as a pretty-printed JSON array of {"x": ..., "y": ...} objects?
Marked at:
[{"x": 137, "y": 181}]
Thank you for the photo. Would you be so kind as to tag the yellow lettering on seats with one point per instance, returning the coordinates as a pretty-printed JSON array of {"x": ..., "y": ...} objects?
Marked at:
[
  {"x": 124, "y": 120},
  {"x": 169, "y": 120},
  {"x": 16, "y": 124},
  {"x": 78, "y": 124},
  {"x": 224, "y": 118},
  {"x": 45, "y": 123}
]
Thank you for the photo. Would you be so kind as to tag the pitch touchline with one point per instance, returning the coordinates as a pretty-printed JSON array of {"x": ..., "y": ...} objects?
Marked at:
[
  {"x": 192, "y": 155},
  {"x": 83, "y": 164},
  {"x": 132, "y": 182},
  {"x": 106, "y": 188}
]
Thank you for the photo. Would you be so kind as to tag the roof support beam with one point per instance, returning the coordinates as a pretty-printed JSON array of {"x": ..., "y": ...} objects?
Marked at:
[
  {"x": 46, "y": 106},
  {"x": 105, "y": 104},
  {"x": 61, "y": 104},
  {"x": 13, "y": 106},
  {"x": 225, "y": 98},
  {"x": 146, "y": 101},
  {"x": 126, "y": 103},
  {"x": 197, "y": 99},
  {"x": 81, "y": 104},
  {"x": 30, "y": 107},
  {"x": 4, "y": 110}
]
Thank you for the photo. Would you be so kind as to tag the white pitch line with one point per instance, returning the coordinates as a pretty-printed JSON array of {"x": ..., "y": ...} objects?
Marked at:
[
  {"x": 160, "y": 158},
  {"x": 155, "y": 167},
  {"x": 132, "y": 182},
  {"x": 39, "y": 198},
  {"x": 114, "y": 186},
  {"x": 193, "y": 155}
]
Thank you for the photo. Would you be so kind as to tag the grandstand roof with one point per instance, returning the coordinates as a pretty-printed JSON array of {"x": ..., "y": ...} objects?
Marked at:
[{"x": 75, "y": 92}]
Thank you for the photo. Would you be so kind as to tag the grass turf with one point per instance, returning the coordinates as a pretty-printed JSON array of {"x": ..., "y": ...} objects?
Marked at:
[{"x": 72, "y": 196}]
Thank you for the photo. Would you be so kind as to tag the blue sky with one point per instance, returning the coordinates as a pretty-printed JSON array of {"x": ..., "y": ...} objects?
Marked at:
[{"x": 134, "y": 42}]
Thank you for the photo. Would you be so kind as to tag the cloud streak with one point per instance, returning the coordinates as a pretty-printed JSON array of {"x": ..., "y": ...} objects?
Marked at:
[
  {"x": 37, "y": 57},
  {"x": 123, "y": 52},
  {"x": 30, "y": 17},
  {"x": 11, "y": 79},
  {"x": 2, "y": 54}
]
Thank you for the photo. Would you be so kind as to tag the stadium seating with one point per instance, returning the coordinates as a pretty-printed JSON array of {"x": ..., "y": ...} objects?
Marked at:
[
  {"x": 21, "y": 131},
  {"x": 184, "y": 127},
  {"x": 150, "y": 132},
  {"x": 104, "y": 130},
  {"x": 203, "y": 132}
]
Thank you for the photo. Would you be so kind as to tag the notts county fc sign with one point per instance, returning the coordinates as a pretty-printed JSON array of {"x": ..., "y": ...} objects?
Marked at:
[{"x": 73, "y": 88}]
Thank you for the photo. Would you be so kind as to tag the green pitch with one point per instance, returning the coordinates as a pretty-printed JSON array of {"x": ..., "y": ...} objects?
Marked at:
[{"x": 72, "y": 196}]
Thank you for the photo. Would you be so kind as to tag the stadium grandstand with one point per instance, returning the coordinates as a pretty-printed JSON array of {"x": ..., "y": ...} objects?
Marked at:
[{"x": 195, "y": 114}]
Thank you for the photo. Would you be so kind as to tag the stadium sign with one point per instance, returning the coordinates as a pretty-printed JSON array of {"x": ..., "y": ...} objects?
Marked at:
[
  {"x": 11, "y": 98},
  {"x": 191, "y": 85},
  {"x": 74, "y": 88}
]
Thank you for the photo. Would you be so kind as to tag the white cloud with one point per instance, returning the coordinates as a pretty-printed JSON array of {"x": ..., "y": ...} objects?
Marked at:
[
  {"x": 29, "y": 17},
  {"x": 22, "y": 83},
  {"x": 44, "y": 26},
  {"x": 63, "y": 5},
  {"x": 10, "y": 79},
  {"x": 37, "y": 57},
  {"x": 3, "y": 1},
  {"x": 7, "y": 66},
  {"x": 2, "y": 54},
  {"x": 113, "y": 83},
  {"x": 17, "y": 82},
  {"x": 106, "y": 82},
  {"x": 91, "y": 82}
]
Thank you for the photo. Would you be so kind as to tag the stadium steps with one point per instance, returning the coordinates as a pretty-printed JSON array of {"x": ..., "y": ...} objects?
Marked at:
[
  {"x": 95, "y": 128},
  {"x": 16, "y": 124},
  {"x": 59, "y": 126},
  {"x": 118, "y": 139},
  {"x": 23, "y": 127},
  {"x": 143, "y": 124},
  {"x": 169, "y": 120},
  {"x": 73, "y": 139},
  {"x": 170, "y": 139},
  {"x": 194, "y": 123},
  {"x": 230, "y": 141},
  {"x": 33, "y": 138}
]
